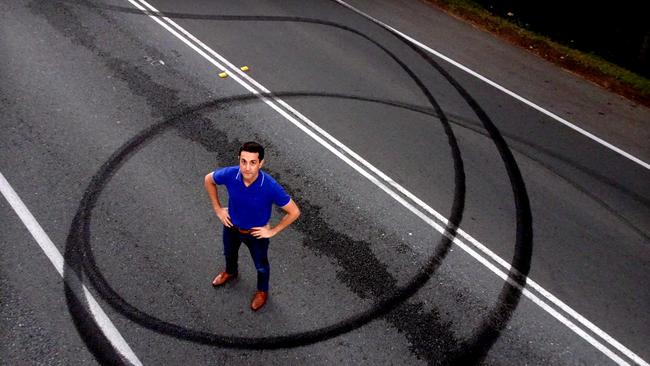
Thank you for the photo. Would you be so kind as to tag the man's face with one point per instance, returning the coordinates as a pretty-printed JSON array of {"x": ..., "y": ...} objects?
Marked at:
[{"x": 249, "y": 165}]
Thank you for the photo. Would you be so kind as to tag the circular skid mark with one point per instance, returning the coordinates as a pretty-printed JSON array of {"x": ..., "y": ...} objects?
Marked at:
[
  {"x": 80, "y": 258},
  {"x": 78, "y": 240}
]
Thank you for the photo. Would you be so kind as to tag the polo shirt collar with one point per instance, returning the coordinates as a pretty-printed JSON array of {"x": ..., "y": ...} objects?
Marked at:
[{"x": 240, "y": 178}]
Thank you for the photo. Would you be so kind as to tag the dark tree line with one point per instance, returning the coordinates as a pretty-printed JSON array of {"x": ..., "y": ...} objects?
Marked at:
[{"x": 618, "y": 31}]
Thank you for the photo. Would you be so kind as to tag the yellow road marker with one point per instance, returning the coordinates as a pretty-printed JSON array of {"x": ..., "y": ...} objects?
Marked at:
[
  {"x": 223, "y": 75},
  {"x": 244, "y": 68}
]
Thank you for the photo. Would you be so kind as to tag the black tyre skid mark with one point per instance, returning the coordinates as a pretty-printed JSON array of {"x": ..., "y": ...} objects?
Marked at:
[{"x": 471, "y": 350}]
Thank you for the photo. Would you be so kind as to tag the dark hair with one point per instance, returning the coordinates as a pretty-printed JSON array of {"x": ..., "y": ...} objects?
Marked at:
[{"x": 253, "y": 147}]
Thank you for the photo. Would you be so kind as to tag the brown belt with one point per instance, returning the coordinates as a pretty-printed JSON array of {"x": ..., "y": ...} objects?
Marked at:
[{"x": 242, "y": 231}]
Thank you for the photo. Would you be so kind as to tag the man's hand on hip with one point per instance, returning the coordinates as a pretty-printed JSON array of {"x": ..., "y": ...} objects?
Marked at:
[
  {"x": 262, "y": 232},
  {"x": 224, "y": 217}
]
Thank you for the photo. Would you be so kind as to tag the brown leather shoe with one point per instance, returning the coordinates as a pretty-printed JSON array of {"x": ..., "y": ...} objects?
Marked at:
[
  {"x": 222, "y": 278},
  {"x": 259, "y": 300}
]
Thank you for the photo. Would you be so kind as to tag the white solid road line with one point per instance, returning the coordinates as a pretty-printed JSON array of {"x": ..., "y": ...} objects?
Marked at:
[
  {"x": 476, "y": 243},
  {"x": 53, "y": 254},
  {"x": 273, "y": 103},
  {"x": 501, "y": 88}
]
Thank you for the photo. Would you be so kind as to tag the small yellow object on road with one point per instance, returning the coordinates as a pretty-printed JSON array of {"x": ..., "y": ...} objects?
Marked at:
[
  {"x": 244, "y": 68},
  {"x": 223, "y": 75}
]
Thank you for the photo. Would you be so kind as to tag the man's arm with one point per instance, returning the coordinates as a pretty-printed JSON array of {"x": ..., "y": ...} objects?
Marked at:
[
  {"x": 213, "y": 193},
  {"x": 292, "y": 212}
]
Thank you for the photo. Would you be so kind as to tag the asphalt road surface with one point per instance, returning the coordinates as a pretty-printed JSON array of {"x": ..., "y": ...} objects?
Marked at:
[{"x": 422, "y": 172}]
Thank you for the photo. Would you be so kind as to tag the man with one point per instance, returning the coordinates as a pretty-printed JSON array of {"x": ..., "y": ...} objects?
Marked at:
[{"x": 251, "y": 195}]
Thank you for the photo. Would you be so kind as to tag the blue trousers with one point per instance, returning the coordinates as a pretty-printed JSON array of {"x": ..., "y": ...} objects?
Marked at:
[{"x": 258, "y": 248}]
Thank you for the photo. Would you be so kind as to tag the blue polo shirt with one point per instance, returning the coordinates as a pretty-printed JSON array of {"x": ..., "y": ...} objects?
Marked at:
[{"x": 250, "y": 206}]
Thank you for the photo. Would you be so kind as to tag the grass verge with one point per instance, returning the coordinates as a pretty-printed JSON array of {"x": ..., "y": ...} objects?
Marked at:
[{"x": 589, "y": 66}]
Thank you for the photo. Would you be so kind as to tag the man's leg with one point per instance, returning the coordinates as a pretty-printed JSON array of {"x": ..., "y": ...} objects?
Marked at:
[
  {"x": 259, "y": 249},
  {"x": 231, "y": 243}
]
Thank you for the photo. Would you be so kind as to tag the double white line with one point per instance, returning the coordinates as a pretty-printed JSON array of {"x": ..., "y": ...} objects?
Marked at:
[{"x": 554, "y": 306}]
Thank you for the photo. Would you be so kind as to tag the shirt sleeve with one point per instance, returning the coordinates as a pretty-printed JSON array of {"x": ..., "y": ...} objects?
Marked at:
[
  {"x": 219, "y": 176},
  {"x": 280, "y": 197}
]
